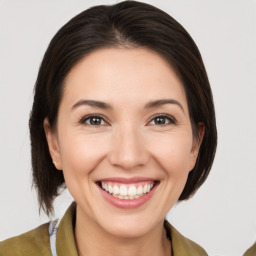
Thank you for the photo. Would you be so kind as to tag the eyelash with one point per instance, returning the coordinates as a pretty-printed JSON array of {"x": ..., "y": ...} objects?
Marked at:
[
  {"x": 90, "y": 117},
  {"x": 171, "y": 120}
]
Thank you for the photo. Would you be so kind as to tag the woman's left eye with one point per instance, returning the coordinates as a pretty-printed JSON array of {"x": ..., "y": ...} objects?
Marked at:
[{"x": 162, "y": 120}]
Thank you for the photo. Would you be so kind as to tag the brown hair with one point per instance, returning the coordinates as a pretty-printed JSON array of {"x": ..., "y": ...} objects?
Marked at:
[{"x": 126, "y": 24}]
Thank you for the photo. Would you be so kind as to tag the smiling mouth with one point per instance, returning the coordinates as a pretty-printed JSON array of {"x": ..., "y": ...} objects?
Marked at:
[{"x": 127, "y": 191}]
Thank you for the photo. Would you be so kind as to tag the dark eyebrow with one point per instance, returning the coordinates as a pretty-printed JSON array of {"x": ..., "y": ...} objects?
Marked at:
[
  {"x": 92, "y": 103},
  {"x": 158, "y": 103}
]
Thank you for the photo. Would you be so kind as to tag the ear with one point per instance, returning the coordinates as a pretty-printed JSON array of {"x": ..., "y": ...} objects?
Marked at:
[
  {"x": 53, "y": 144},
  {"x": 196, "y": 145}
]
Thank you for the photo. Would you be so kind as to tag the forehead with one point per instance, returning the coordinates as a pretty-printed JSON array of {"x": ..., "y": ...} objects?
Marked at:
[{"x": 123, "y": 75}]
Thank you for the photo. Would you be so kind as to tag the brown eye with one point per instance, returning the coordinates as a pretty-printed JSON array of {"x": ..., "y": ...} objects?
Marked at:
[
  {"x": 93, "y": 120},
  {"x": 162, "y": 120}
]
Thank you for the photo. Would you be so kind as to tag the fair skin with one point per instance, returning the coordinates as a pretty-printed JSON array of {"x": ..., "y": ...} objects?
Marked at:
[{"x": 123, "y": 122}]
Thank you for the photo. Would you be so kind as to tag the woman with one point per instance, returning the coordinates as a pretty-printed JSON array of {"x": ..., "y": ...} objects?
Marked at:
[{"x": 123, "y": 116}]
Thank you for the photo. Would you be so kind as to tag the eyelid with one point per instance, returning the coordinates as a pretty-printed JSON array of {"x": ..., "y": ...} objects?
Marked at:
[
  {"x": 84, "y": 118},
  {"x": 171, "y": 118}
]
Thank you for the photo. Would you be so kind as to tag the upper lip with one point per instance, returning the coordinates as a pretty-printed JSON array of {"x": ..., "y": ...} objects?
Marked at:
[{"x": 126, "y": 180}]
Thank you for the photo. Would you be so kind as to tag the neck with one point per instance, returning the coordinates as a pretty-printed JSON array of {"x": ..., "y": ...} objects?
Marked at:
[{"x": 92, "y": 240}]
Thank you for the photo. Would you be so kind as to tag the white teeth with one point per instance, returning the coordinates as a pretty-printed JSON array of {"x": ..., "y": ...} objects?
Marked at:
[
  {"x": 139, "y": 190},
  {"x": 132, "y": 191},
  {"x": 123, "y": 190},
  {"x": 110, "y": 189},
  {"x": 128, "y": 191},
  {"x": 105, "y": 186},
  {"x": 116, "y": 190}
]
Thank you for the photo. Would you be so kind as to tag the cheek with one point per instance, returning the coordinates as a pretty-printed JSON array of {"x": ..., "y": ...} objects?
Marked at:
[
  {"x": 80, "y": 155},
  {"x": 173, "y": 153}
]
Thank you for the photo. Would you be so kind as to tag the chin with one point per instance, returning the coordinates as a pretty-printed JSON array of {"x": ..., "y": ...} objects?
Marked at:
[{"x": 130, "y": 227}]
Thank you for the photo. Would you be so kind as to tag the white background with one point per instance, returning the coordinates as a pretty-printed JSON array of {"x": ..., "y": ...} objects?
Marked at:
[{"x": 222, "y": 215}]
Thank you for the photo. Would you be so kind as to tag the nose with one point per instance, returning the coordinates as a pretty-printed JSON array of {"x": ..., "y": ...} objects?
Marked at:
[{"x": 129, "y": 150}]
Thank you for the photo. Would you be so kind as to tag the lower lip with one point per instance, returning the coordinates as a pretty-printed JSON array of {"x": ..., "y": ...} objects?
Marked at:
[{"x": 128, "y": 203}]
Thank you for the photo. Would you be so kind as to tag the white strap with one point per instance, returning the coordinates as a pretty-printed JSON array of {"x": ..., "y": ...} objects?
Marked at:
[{"x": 53, "y": 227}]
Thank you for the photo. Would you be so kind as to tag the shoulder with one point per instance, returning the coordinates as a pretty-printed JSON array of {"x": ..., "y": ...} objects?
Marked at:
[
  {"x": 251, "y": 251},
  {"x": 34, "y": 242},
  {"x": 181, "y": 245}
]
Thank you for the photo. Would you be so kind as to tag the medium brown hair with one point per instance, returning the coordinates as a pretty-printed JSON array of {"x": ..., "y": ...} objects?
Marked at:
[{"x": 126, "y": 24}]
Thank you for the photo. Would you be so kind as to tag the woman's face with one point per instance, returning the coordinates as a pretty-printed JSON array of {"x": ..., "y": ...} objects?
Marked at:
[{"x": 123, "y": 139}]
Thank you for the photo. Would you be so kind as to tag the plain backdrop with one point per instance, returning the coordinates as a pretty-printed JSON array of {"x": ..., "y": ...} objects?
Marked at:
[{"x": 222, "y": 215}]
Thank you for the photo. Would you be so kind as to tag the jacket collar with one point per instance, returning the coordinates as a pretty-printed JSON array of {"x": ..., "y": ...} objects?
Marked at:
[{"x": 65, "y": 241}]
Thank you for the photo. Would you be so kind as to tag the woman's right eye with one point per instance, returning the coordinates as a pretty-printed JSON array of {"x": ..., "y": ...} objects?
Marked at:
[{"x": 93, "y": 121}]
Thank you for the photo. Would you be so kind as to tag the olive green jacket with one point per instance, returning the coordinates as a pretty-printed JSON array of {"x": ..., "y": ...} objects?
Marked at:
[
  {"x": 251, "y": 251},
  {"x": 36, "y": 242}
]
